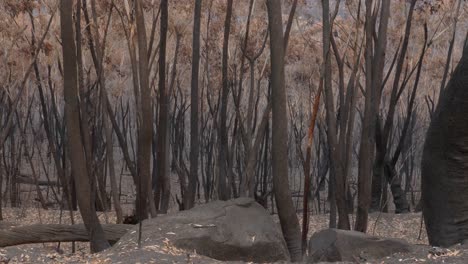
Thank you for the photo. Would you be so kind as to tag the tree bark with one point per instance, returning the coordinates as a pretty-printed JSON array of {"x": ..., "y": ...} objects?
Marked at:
[
  {"x": 444, "y": 178},
  {"x": 286, "y": 212},
  {"x": 383, "y": 142},
  {"x": 162, "y": 142},
  {"x": 223, "y": 188},
  {"x": 194, "y": 137},
  {"x": 97, "y": 55},
  {"x": 75, "y": 143},
  {"x": 336, "y": 168},
  {"x": 145, "y": 118},
  {"x": 374, "y": 75},
  {"x": 1, "y": 187}
]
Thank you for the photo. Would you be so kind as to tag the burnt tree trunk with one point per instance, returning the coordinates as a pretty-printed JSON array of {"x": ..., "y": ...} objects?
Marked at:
[
  {"x": 75, "y": 142},
  {"x": 286, "y": 211},
  {"x": 444, "y": 173},
  {"x": 223, "y": 188},
  {"x": 162, "y": 141},
  {"x": 194, "y": 130}
]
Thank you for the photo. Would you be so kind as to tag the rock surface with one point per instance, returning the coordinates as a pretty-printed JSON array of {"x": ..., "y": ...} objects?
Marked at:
[
  {"x": 235, "y": 230},
  {"x": 341, "y": 245}
]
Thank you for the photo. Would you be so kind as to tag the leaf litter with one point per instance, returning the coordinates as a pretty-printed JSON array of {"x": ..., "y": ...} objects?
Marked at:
[{"x": 403, "y": 226}]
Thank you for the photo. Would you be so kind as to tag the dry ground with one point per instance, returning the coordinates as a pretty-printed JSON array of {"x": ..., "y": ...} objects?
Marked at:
[{"x": 405, "y": 226}]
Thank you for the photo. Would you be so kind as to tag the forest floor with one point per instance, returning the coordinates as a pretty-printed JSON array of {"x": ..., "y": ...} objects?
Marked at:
[{"x": 403, "y": 226}]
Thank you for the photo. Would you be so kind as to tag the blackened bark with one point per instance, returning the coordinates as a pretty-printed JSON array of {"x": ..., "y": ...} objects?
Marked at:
[
  {"x": 336, "y": 168},
  {"x": 286, "y": 210},
  {"x": 162, "y": 141},
  {"x": 75, "y": 143},
  {"x": 375, "y": 58},
  {"x": 145, "y": 117},
  {"x": 194, "y": 133},
  {"x": 223, "y": 188}
]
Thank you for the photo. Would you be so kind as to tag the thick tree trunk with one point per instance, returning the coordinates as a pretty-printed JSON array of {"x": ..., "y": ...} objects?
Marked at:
[
  {"x": 223, "y": 188},
  {"x": 194, "y": 137},
  {"x": 366, "y": 150},
  {"x": 444, "y": 174},
  {"x": 1, "y": 188},
  {"x": 145, "y": 117},
  {"x": 162, "y": 142},
  {"x": 75, "y": 143},
  {"x": 286, "y": 210}
]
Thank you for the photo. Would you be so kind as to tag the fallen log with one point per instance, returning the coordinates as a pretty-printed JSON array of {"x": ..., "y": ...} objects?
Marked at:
[
  {"x": 27, "y": 179},
  {"x": 43, "y": 233},
  {"x": 6, "y": 225}
]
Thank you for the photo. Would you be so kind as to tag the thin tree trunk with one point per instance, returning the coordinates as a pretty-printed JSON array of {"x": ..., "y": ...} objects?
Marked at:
[
  {"x": 112, "y": 175},
  {"x": 450, "y": 49},
  {"x": 336, "y": 168},
  {"x": 46, "y": 117},
  {"x": 374, "y": 76},
  {"x": 399, "y": 197},
  {"x": 307, "y": 180},
  {"x": 289, "y": 25},
  {"x": 383, "y": 144},
  {"x": 106, "y": 121},
  {"x": 97, "y": 55}
]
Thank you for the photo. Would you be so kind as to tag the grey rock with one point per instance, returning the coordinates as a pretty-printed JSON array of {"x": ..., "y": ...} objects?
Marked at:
[
  {"x": 235, "y": 230},
  {"x": 335, "y": 245}
]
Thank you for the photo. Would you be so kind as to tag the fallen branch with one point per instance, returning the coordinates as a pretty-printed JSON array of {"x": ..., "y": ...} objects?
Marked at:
[
  {"x": 43, "y": 233},
  {"x": 27, "y": 179}
]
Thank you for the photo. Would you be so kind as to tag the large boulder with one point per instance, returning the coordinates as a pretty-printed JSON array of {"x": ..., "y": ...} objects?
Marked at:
[
  {"x": 235, "y": 230},
  {"x": 342, "y": 245}
]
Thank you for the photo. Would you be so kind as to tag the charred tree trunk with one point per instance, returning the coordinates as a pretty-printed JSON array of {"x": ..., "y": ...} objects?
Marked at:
[
  {"x": 382, "y": 176},
  {"x": 223, "y": 188},
  {"x": 194, "y": 130},
  {"x": 1, "y": 188},
  {"x": 444, "y": 174},
  {"x": 336, "y": 169},
  {"x": 162, "y": 141},
  {"x": 375, "y": 58},
  {"x": 286, "y": 212},
  {"x": 75, "y": 143},
  {"x": 145, "y": 117}
]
